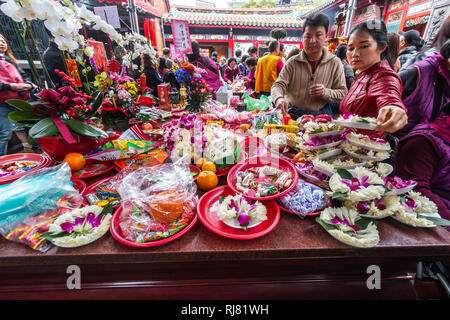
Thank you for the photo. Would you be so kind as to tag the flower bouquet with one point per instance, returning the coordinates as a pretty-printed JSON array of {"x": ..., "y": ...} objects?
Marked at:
[
  {"x": 350, "y": 120},
  {"x": 376, "y": 209},
  {"x": 198, "y": 91}
]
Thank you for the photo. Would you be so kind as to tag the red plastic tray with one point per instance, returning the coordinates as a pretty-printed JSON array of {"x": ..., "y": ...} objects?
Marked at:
[
  {"x": 93, "y": 168},
  {"x": 42, "y": 161},
  {"x": 260, "y": 162},
  {"x": 117, "y": 233},
  {"x": 211, "y": 221},
  {"x": 79, "y": 185}
]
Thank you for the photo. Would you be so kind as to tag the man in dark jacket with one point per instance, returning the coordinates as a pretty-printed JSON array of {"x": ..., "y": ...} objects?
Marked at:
[
  {"x": 53, "y": 60},
  {"x": 410, "y": 44}
]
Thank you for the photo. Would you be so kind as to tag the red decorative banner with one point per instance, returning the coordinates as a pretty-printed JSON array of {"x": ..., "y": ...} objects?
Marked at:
[
  {"x": 99, "y": 55},
  {"x": 73, "y": 71}
]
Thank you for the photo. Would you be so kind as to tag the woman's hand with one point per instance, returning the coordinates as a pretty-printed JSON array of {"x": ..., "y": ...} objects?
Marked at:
[
  {"x": 391, "y": 119},
  {"x": 20, "y": 86},
  {"x": 282, "y": 105}
]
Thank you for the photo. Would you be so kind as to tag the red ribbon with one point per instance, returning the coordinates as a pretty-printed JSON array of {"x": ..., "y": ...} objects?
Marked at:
[{"x": 65, "y": 132}]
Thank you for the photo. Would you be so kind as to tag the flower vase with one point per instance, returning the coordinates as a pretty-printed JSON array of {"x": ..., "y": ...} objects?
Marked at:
[{"x": 194, "y": 105}]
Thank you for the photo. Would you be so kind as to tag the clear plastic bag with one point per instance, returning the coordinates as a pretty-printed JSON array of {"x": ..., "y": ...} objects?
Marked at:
[
  {"x": 30, "y": 204},
  {"x": 156, "y": 202}
]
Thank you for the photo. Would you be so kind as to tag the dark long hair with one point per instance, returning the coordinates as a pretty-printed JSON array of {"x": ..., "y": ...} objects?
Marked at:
[{"x": 377, "y": 29}]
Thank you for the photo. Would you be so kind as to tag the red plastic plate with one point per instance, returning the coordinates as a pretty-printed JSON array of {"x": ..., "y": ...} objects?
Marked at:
[
  {"x": 212, "y": 222},
  {"x": 256, "y": 162},
  {"x": 41, "y": 160},
  {"x": 93, "y": 168},
  {"x": 79, "y": 185},
  {"x": 117, "y": 233}
]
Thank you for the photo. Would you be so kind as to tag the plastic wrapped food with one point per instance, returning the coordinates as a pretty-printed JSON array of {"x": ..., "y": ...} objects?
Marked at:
[
  {"x": 30, "y": 204},
  {"x": 261, "y": 104},
  {"x": 147, "y": 159},
  {"x": 276, "y": 142},
  {"x": 304, "y": 198},
  {"x": 157, "y": 202}
]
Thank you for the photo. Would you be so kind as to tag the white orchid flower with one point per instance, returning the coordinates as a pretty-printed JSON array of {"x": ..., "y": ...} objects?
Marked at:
[
  {"x": 13, "y": 10},
  {"x": 45, "y": 9},
  {"x": 66, "y": 43},
  {"x": 62, "y": 28}
]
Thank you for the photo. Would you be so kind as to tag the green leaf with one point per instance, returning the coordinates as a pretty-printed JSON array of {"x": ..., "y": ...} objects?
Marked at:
[
  {"x": 20, "y": 104},
  {"x": 18, "y": 116},
  {"x": 44, "y": 128},
  {"x": 363, "y": 120},
  {"x": 108, "y": 209},
  {"x": 339, "y": 195},
  {"x": 437, "y": 221},
  {"x": 364, "y": 222},
  {"x": 85, "y": 129},
  {"x": 49, "y": 236},
  {"x": 345, "y": 174},
  {"x": 96, "y": 104},
  {"x": 221, "y": 199},
  {"x": 326, "y": 226}
]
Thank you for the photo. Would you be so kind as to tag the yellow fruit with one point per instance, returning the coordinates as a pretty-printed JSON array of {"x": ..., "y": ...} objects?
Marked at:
[
  {"x": 209, "y": 166},
  {"x": 207, "y": 180},
  {"x": 75, "y": 160}
]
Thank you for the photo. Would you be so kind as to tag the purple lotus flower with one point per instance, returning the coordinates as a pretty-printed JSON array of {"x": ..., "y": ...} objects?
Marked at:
[
  {"x": 410, "y": 203},
  {"x": 92, "y": 220},
  {"x": 243, "y": 219},
  {"x": 397, "y": 183},
  {"x": 234, "y": 206},
  {"x": 356, "y": 184}
]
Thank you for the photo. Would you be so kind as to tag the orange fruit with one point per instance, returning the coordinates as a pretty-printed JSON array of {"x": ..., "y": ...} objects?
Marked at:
[
  {"x": 207, "y": 180},
  {"x": 209, "y": 166},
  {"x": 200, "y": 162},
  {"x": 75, "y": 160}
]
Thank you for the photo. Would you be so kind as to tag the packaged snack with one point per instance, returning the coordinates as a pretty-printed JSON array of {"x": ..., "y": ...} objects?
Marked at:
[
  {"x": 147, "y": 159},
  {"x": 120, "y": 149}
]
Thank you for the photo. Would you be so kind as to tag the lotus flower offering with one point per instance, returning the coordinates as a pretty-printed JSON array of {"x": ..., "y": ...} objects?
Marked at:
[
  {"x": 378, "y": 208},
  {"x": 239, "y": 212},
  {"x": 350, "y": 120},
  {"x": 361, "y": 185},
  {"x": 364, "y": 153},
  {"x": 304, "y": 198},
  {"x": 349, "y": 227},
  {"x": 320, "y": 126},
  {"x": 79, "y": 227},
  {"x": 315, "y": 142},
  {"x": 308, "y": 171},
  {"x": 364, "y": 141},
  {"x": 398, "y": 186},
  {"x": 381, "y": 168},
  {"x": 418, "y": 211}
]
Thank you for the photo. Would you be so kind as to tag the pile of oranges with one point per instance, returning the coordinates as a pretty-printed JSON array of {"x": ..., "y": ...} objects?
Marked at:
[{"x": 207, "y": 179}]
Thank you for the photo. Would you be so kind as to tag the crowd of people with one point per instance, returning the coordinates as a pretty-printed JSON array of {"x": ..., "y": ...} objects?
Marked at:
[{"x": 394, "y": 78}]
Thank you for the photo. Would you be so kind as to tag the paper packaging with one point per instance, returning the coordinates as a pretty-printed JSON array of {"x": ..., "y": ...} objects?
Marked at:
[
  {"x": 163, "y": 95},
  {"x": 224, "y": 95},
  {"x": 120, "y": 149}
]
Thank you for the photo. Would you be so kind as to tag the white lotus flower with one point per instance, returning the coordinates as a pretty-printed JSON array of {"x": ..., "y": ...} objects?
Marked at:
[{"x": 13, "y": 10}]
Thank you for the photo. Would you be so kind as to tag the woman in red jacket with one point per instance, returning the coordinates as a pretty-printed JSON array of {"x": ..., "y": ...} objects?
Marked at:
[
  {"x": 377, "y": 89},
  {"x": 14, "y": 84}
]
